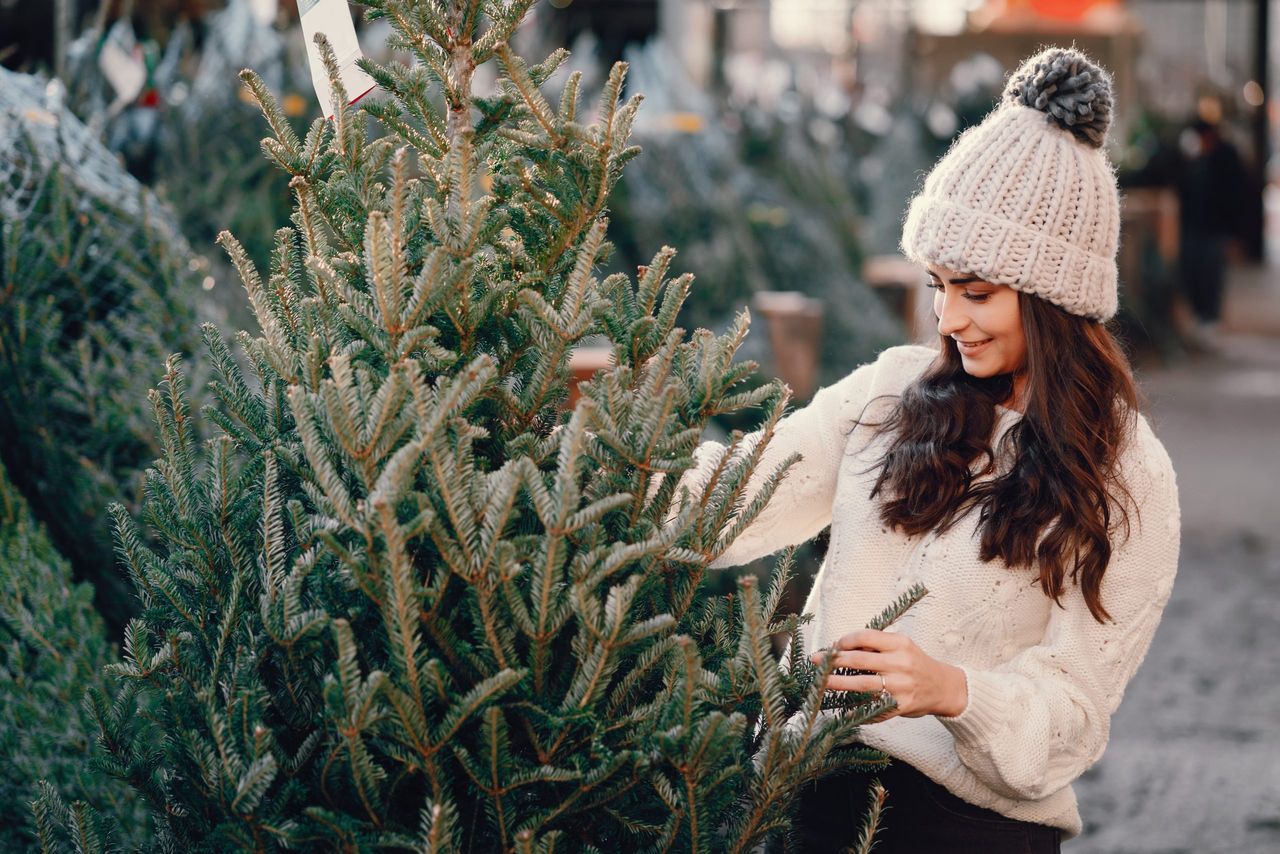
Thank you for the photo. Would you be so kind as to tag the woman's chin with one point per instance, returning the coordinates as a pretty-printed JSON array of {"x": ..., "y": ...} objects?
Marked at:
[
  {"x": 976, "y": 368},
  {"x": 986, "y": 363}
]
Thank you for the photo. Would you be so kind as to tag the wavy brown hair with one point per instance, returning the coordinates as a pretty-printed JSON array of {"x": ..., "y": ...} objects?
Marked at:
[{"x": 1057, "y": 498}]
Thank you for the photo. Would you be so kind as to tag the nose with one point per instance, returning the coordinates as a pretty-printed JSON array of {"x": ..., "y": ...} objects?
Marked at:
[{"x": 952, "y": 316}]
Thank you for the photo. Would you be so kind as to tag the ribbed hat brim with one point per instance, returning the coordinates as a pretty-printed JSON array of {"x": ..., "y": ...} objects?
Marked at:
[{"x": 1022, "y": 203}]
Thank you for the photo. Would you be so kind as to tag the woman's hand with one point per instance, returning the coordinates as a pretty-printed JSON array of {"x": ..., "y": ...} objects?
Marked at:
[{"x": 920, "y": 685}]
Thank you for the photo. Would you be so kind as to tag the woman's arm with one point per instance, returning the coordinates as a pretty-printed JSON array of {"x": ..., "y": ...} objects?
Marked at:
[
  {"x": 1037, "y": 722},
  {"x": 802, "y": 504}
]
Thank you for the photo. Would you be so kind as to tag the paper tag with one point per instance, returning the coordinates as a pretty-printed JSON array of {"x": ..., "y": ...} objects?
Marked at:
[
  {"x": 121, "y": 63},
  {"x": 264, "y": 11},
  {"x": 333, "y": 18}
]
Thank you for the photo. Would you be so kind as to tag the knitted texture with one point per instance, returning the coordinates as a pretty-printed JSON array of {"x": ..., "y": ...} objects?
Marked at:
[
  {"x": 1043, "y": 681},
  {"x": 1027, "y": 198}
]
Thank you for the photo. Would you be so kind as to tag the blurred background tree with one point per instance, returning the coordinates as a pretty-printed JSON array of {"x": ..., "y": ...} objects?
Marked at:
[
  {"x": 97, "y": 287},
  {"x": 53, "y": 648}
]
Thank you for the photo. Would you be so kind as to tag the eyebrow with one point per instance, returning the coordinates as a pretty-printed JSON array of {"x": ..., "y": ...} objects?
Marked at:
[{"x": 967, "y": 280}]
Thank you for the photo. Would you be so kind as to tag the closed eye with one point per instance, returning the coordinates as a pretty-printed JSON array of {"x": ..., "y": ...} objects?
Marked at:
[{"x": 938, "y": 286}]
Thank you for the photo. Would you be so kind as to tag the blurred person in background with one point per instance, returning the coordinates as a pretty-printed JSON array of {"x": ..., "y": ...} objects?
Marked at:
[{"x": 1211, "y": 187}]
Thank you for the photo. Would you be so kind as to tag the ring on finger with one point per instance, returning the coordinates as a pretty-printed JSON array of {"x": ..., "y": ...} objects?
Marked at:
[{"x": 885, "y": 696}]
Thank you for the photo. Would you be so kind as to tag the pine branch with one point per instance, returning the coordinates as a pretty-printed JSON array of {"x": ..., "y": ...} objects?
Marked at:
[
  {"x": 898, "y": 607},
  {"x": 875, "y": 807},
  {"x": 287, "y": 148}
]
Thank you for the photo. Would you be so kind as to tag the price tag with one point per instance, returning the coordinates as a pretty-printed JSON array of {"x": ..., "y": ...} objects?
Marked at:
[
  {"x": 120, "y": 61},
  {"x": 264, "y": 11},
  {"x": 333, "y": 18}
]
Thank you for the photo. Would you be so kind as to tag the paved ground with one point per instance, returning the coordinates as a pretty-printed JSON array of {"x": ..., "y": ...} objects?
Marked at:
[{"x": 1194, "y": 760}]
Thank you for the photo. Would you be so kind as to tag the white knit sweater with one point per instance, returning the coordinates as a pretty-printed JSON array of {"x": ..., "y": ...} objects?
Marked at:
[{"x": 1043, "y": 681}]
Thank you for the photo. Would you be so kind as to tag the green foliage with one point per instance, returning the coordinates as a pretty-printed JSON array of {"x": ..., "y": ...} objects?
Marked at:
[
  {"x": 875, "y": 808},
  {"x": 764, "y": 207},
  {"x": 402, "y": 599},
  {"x": 748, "y": 228},
  {"x": 52, "y": 649},
  {"x": 233, "y": 188},
  {"x": 94, "y": 292}
]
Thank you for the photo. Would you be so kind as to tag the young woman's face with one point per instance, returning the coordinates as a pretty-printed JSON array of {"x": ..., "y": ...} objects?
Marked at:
[{"x": 984, "y": 320}]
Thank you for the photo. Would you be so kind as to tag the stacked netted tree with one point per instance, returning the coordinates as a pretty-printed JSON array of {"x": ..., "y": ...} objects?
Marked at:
[
  {"x": 53, "y": 647},
  {"x": 406, "y": 598},
  {"x": 95, "y": 290}
]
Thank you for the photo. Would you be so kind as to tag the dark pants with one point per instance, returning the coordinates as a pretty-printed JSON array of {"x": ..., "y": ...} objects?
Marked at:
[
  {"x": 920, "y": 817},
  {"x": 1204, "y": 270}
]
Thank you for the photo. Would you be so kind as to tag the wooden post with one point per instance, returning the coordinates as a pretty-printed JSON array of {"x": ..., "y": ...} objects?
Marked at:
[
  {"x": 584, "y": 362},
  {"x": 900, "y": 282},
  {"x": 795, "y": 330}
]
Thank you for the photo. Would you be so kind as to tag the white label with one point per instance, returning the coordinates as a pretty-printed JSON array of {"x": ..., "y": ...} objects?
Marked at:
[
  {"x": 121, "y": 63},
  {"x": 264, "y": 11},
  {"x": 333, "y": 18}
]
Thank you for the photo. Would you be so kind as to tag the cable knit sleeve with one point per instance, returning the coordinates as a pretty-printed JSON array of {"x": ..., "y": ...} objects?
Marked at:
[
  {"x": 1036, "y": 722},
  {"x": 802, "y": 504}
]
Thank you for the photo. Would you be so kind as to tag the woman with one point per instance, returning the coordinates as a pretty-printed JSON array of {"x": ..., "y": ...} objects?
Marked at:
[{"x": 1009, "y": 472}]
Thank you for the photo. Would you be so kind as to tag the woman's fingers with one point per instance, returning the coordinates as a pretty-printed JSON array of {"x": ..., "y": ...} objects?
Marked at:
[
  {"x": 870, "y": 639},
  {"x": 920, "y": 685},
  {"x": 855, "y": 660},
  {"x": 865, "y": 684}
]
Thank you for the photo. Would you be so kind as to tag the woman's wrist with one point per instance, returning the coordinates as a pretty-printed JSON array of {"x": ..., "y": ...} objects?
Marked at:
[{"x": 955, "y": 692}]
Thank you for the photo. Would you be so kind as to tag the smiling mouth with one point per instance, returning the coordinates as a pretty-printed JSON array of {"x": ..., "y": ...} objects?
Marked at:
[{"x": 973, "y": 345}]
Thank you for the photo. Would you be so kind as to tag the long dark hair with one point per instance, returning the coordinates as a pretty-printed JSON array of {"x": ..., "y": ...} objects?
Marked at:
[{"x": 1060, "y": 498}]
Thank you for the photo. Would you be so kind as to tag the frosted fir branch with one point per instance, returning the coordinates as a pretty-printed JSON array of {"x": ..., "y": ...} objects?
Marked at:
[
  {"x": 898, "y": 607},
  {"x": 783, "y": 572},
  {"x": 438, "y": 829},
  {"x": 289, "y": 153},
  {"x": 756, "y": 649},
  {"x": 568, "y": 112},
  {"x": 504, "y": 21},
  {"x": 527, "y": 90},
  {"x": 875, "y": 805},
  {"x": 856, "y": 706}
]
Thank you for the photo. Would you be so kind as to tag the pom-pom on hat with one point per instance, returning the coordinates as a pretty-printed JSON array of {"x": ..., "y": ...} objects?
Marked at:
[{"x": 1027, "y": 198}]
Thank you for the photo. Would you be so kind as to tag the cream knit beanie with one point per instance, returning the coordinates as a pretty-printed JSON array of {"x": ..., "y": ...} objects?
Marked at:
[{"x": 1028, "y": 198}]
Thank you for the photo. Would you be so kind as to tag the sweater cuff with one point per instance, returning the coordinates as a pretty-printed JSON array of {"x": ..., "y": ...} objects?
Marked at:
[{"x": 983, "y": 714}]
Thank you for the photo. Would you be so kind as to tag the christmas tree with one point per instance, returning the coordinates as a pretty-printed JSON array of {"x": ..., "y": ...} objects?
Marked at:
[
  {"x": 405, "y": 598},
  {"x": 52, "y": 650},
  {"x": 96, "y": 287}
]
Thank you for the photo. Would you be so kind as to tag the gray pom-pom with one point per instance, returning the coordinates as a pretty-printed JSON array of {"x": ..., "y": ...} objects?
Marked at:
[{"x": 1071, "y": 90}]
